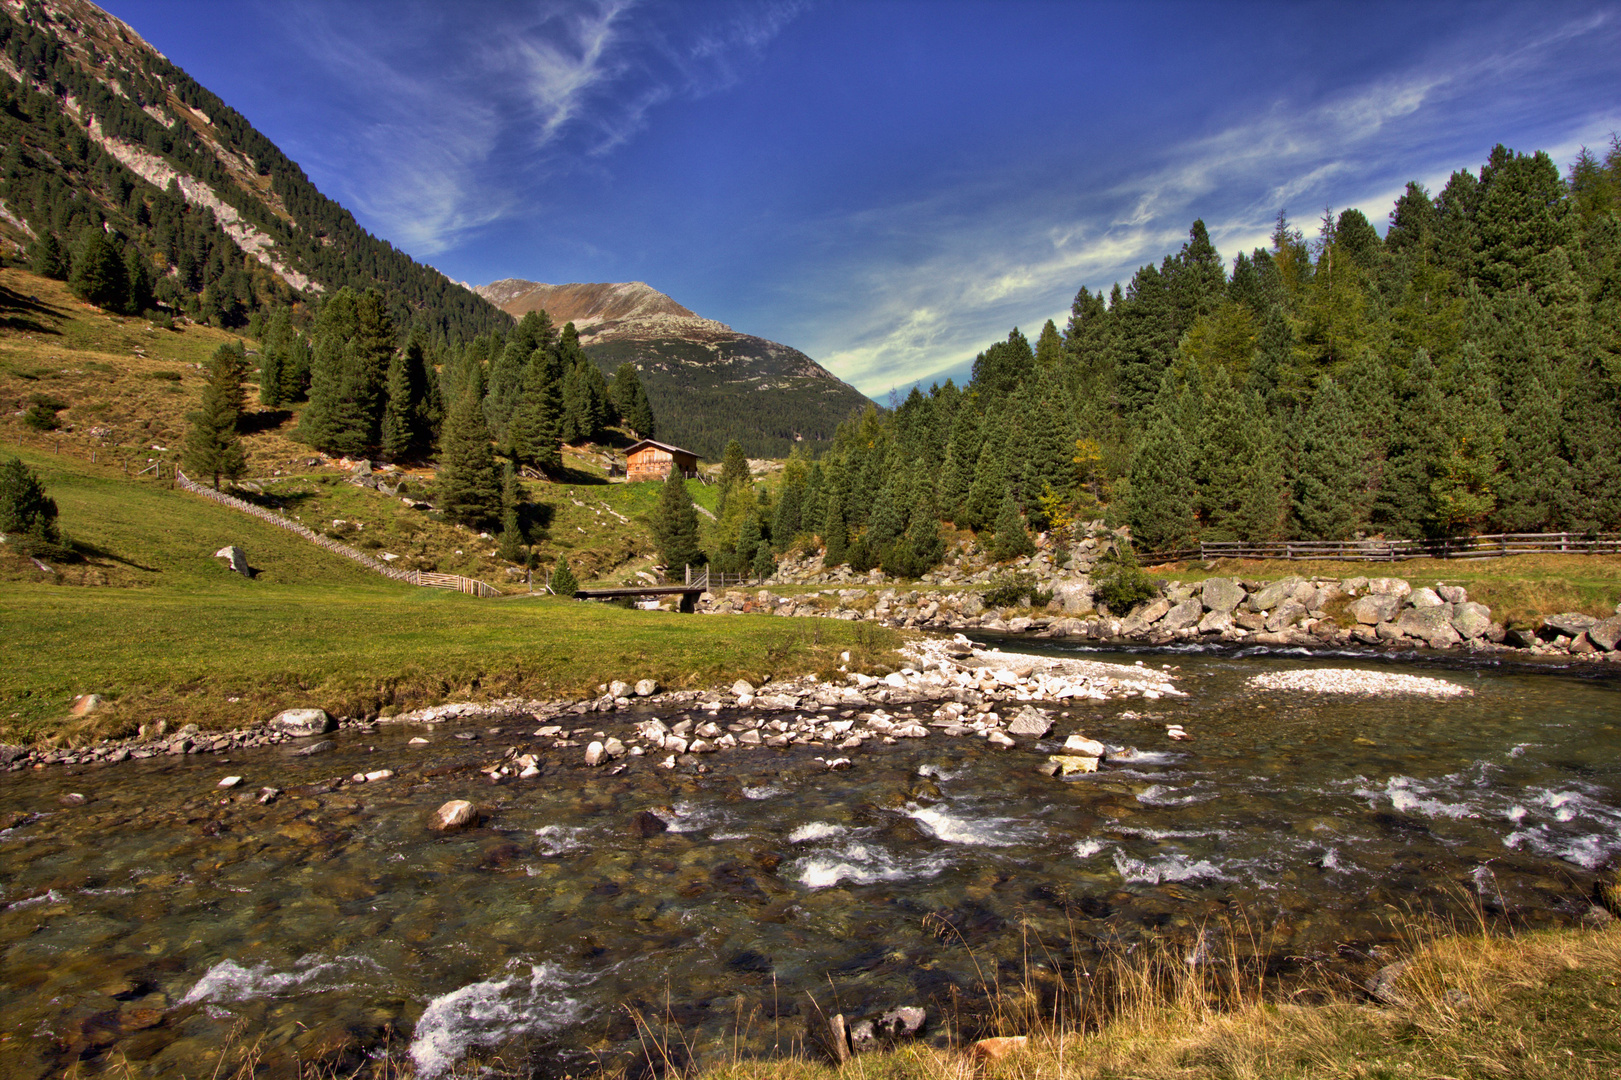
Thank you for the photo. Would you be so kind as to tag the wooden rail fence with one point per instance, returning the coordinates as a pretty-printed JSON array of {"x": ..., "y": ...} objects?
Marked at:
[
  {"x": 1487, "y": 546},
  {"x": 471, "y": 586}
]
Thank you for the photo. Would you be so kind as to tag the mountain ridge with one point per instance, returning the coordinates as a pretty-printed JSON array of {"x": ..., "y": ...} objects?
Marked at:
[{"x": 706, "y": 381}]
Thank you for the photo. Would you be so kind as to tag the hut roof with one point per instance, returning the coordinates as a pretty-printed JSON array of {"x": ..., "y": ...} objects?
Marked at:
[{"x": 645, "y": 443}]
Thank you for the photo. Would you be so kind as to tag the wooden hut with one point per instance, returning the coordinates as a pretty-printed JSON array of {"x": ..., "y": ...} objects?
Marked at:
[{"x": 649, "y": 460}]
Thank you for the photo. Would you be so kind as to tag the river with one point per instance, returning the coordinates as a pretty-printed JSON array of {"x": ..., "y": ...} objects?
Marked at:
[{"x": 165, "y": 918}]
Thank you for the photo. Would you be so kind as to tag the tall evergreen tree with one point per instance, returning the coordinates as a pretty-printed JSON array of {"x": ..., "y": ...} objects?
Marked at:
[
  {"x": 1012, "y": 538},
  {"x": 212, "y": 447},
  {"x": 1418, "y": 448},
  {"x": 630, "y": 401},
  {"x": 675, "y": 526},
  {"x": 534, "y": 436},
  {"x": 468, "y": 487},
  {"x": 1534, "y": 475},
  {"x": 835, "y": 534},
  {"x": 1328, "y": 489},
  {"x": 98, "y": 275},
  {"x": 1160, "y": 507},
  {"x": 511, "y": 538}
]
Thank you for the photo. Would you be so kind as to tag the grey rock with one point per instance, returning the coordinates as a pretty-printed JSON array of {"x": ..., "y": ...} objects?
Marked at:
[
  {"x": 1570, "y": 624},
  {"x": 905, "y": 1022},
  {"x": 1374, "y": 608},
  {"x": 1287, "y": 614},
  {"x": 10, "y": 752},
  {"x": 315, "y": 748},
  {"x": 619, "y": 688},
  {"x": 646, "y": 688},
  {"x": 1423, "y": 598},
  {"x": 1453, "y": 594},
  {"x": 1606, "y": 633},
  {"x": 453, "y": 815},
  {"x": 1144, "y": 616},
  {"x": 1389, "y": 586},
  {"x": 1383, "y": 984},
  {"x": 1183, "y": 615},
  {"x": 1074, "y": 597},
  {"x": 1029, "y": 721},
  {"x": 1305, "y": 594},
  {"x": 1388, "y": 631},
  {"x": 1274, "y": 594},
  {"x": 236, "y": 558},
  {"x": 1432, "y": 624},
  {"x": 303, "y": 722},
  {"x": 595, "y": 754},
  {"x": 1216, "y": 622},
  {"x": 1471, "y": 620},
  {"x": 742, "y": 688},
  {"x": 1221, "y": 594}
]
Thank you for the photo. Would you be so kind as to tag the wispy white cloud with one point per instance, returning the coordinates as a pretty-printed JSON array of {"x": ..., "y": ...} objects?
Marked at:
[
  {"x": 456, "y": 137},
  {"x": 1020, "y": 258}
]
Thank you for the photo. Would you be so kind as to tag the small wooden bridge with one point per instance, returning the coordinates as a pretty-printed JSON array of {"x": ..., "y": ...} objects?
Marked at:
[{"x": 693, "y": 587}]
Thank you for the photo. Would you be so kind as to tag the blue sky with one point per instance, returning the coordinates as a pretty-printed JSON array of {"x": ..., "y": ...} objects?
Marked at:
[{"x": 887, "y": 186}]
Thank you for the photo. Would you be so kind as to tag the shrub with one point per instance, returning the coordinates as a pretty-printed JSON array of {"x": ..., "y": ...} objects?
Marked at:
[
  {"x": 1010, "y": 589},
  {"x": 563, "y": 581},
  {"x": 1120, "y": 582}
]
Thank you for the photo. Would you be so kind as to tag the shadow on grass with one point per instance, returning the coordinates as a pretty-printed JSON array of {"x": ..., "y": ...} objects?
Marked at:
[
  {"x": 19, "y": 312},
  {"x": 256, "y": 423}
]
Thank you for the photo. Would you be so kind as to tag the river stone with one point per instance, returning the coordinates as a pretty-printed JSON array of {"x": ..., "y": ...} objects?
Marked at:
[
  {"x": 1144, "y": 616},
  {"x": 1221, "y": 594},
  {"x": 1274, "y": 594},
  {"x": 1080, "y": 744},
  {"x": 619, "y": 688},
  {"x": 1216, "y": 622},
  {"x": 303, "y": 722},
  {"x": 1287, "y": 614},
  {"x": 742, "y": 688},
  {"x": 1606, "y": 633},
  {"x": 1182, "y": 616},
  {"x": 1074, "y": 764},
  {"x": 10, "y": 752},
  {"x": 1029, "y": 721},
  {"x": 595, "y": 754},
  {"x": 1422, "y": 598},
  {"x": 455, "y": 814},
  {"x": 315, "y": 748},
  {"x": 1374, "y": 608},
  {"x": 1571, "y": 624},
  {"x": 906, "y": 1022},
  {"x": 645, "y": 823},
  {"x": 1432, "y": 623},
  {"x": 1453, "y": 594},
  {"x": 646, "y": 688},
  {"x": 1389, "y": 586},
  {"x": 1471, "y": 620}
]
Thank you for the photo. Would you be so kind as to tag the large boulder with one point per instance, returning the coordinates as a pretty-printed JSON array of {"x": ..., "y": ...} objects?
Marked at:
[
  {"x": 1030, "y": 722},
  {"x": 236, "y": 559},
  {"x": 1074, "y": 597},
  {"x": 1471, "y": 620},
  {"x": 1453, "y": 594},
  {"x": 1431, "y": 624},
  {"x": 1285, "y": 615},
  {"x": 1216, "y": 622},
  {"x": 1221, "y": 594},
  {"x": 1373, "y": 609},
  {"x": 1144, "y": 617},
  {"x": 1424, "y": 598},
  {"x": 1606, "y": 633},
  {"x": 303, "y": 722},
  {"x": 1389, "y": 586},
  {"x": 1274, "y": 594},
  {"x": 1571, "y": 624},
  {"x": 1182, "y": 616}
]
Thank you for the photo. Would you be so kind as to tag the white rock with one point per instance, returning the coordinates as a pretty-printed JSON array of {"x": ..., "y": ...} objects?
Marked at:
[
  {"x": 303, "y": 722},
  {"x": 230, "y": 781},
  {"x": 418, "y": 741},
  {"x": 1080, "y": 744},
  {"x": 618, "y": 688},
  {"x": 455, "y": 814},
  {"x": 646, "y": 688},
  {"x": 998, "y": 739},
  {"x": 743, "y": 688},
  {"x": 528, "y": 771},
  {"x": 613, "y": 748},
  {"x": 595, "y": 753},
  {"x": 380, "y": 774}
]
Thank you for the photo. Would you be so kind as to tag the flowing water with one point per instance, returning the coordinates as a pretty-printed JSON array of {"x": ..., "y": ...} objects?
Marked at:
[{"x": 165, "y": 918}]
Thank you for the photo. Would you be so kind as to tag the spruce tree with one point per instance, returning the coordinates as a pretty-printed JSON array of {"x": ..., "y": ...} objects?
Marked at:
[
  {"x": 1405, "y": 503},
  {"x": 630, "y": 401},
  {"x": 835, "y": 535},
  {"x": 563, "y": 581},
  {"x": 212, "y": 447},
  {"x": 675, "y": 526},
  {"x": 1534, "y": 475},
  {"x": 1327, "y": 489},
  {"x": 1012, "y": 538},
  {"x": 468, "y": 487},
  {"x": 1160, "y": 506},
  {"x": 138, "y": 279},
  {"x": 47, "y": 259},
  {"x": 511, "y": 538},
  {"x": 764, "y": 565},
  {"x": 534, "y": 437},
  {"x": 735, "y": 478},
  {"x": 98, "y": 275},
  {"x": 785, "y": 523},
  {"x": 1465, "y": 487},
  {"x": 26, "y": 511}
]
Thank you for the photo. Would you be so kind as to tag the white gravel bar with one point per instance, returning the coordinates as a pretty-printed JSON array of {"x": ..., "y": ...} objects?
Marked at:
[{"x": 1352, "y": 681}]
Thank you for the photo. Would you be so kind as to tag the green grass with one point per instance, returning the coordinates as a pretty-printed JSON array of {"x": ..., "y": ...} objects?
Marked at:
[{"x": 183, "y": 654}]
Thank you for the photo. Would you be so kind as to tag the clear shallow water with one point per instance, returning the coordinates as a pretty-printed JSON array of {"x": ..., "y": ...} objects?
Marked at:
[{"x": 150, "y": 923}]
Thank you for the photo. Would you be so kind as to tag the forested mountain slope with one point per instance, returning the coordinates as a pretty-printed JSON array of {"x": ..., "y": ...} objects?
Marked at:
[
  {"x": 202, "y": 213},
  {"x": 707, "y": 383}
]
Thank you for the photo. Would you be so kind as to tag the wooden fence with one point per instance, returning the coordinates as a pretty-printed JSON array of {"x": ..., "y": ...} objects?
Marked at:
[
  {"x": 1488, "y": 546},
  {"x": 471, "y": 586}
]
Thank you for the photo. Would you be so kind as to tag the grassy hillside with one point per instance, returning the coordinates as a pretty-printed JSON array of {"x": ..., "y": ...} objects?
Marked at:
[{"x": 121, "y": 388}]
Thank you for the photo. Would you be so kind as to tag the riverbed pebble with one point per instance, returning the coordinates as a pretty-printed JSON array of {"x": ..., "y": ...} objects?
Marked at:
[{"x": 1351, "y": 681}]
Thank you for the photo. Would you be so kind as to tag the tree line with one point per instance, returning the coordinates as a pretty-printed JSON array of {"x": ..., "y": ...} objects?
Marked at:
[{"x": 1461, "y": 373}]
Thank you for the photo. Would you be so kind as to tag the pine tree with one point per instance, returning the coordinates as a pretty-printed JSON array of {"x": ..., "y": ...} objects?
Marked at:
[
  {"x": 1534, "y": 475},
  {"x": 764, "y": 565},
  {"x": 534, "y": 437},
  {"x": 511, "y": 538},
  {"x": 785, "y": 523},
  {"x": 563, "y": 582},
  {"x": 26, "y": 511},
  {"x": 98, "y": 275},
  {"x": 1012, "y": 538},
  {"x": 138, "y": 277},
  {"x": 468, "y": 489},
  {"x": 1465, "y": 489},
  {"x": 212, "y": 447},
  {"x": 1327, "y": 486},
  {"x": 630, "y": 401},
  {"x": 835, "y": 535},
  {"x": 1160, "y": 507},
  {"x": 1405, "y": 503},
  {"x": 47, "y": 259},
  {"x": 735, "y": 477},
  {"x": 675, "y": 526}
]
